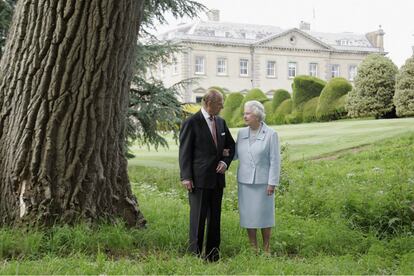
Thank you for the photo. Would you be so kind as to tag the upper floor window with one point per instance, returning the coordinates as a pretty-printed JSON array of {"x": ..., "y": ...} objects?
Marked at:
[
  {"x": 334, "y": 70},
  {"x": 313, "y": 69},
  {"x": 271, "y": 69},
  {"x": 352, "y": 72},
  {"x": 292, "y": 70},
  {"x": 221, "y": 66},
  {"x": 199, "y": 65},
  {"x": 244, "y": 67}
]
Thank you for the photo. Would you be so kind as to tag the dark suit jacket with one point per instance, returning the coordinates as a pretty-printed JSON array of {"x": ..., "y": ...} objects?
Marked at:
[{"x": 199, "y": 156}]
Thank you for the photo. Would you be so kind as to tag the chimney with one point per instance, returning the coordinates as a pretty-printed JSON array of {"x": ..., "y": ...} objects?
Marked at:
[
  {"x": 213, "y": 15},
  {"x": 376, "y": 38},
  {"x": 304, "y": 26}
]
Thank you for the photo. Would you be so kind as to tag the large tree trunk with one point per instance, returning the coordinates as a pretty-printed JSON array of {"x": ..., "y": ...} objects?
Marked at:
[{"x": 64, "y": 85}]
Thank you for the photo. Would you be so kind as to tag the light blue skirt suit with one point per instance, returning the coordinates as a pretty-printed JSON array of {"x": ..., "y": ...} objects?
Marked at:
[{"x": 259, "y": 166}]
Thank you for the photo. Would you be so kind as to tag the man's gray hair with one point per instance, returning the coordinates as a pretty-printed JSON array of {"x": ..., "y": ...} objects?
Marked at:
[{"x": 257, "y": 109}]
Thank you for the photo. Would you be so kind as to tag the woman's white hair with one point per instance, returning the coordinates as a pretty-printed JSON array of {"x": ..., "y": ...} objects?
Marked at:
[{"x": 257, "y": 109}]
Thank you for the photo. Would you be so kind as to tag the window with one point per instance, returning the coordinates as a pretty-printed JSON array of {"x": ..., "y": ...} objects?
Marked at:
[
  {"x": 313, "y": 69},
  {"x": 291, "y": 70},
  {"x": 174, "y": 66},
  {"x": 352, "y": 72},
  {"x": 244, "y": 67},
  {"x": 271, "y": 69},
  {"x": 199, "y": 65},
  {"x": 221, "y": 66},
  {"x": 334, "y": 70}
]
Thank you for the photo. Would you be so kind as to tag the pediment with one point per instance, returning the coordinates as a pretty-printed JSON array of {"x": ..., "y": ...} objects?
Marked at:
[{"x": 294, "y": 38}]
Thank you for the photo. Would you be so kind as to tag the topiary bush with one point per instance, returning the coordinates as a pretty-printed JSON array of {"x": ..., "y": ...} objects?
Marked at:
[
  {"x": 305, "y": 88},
  {"x": 284, "y": 109},
  {"x": 404, "y": 89},
  {"x": 237, "y": 118},
  {"x": 232, "y": 102},
  {"x": 279, "y": 96},
  {"x": 374, "y": 88},
  {"x": 268, "y": 106},
  {"x": 253, "y": 94},
  {"x": 329, "y": 108},
  {"x": 309, "y": 110}
]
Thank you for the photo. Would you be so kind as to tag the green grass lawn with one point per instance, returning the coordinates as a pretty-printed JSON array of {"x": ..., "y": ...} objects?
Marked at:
[
  {"x": 304, "y": 140},
  {"x": 349, "y": 215}
]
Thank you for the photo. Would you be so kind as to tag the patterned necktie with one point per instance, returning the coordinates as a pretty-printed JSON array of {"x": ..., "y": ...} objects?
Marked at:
[{"x": 213, "y": 128}]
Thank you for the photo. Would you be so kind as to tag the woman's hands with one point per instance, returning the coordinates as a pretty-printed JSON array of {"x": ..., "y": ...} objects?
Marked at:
[{"x": 270, "y": 190}]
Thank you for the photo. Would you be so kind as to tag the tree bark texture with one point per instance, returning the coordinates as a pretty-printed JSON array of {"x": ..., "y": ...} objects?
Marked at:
[{"x": 64, "y": 85}]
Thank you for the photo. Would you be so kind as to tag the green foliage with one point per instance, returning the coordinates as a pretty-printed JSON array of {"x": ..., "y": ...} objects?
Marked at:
[
  {"x": 331, "y": 105},
  {"x": 153, "y": 111},
  {"x": 309, "y": 110},
  {"x": 305, "y": 88},
  {"x": 284, "y": 109},
  {"x": 350, "y": 215},
  {"x": 232, "y": 102},
  {"x": 268, "y": 106},
  {"x": 6, "y": 13},
  {"x": 237, "y": 118},
  {"x": 154, "y": 108},
  {"x": 404, "y": 89},
  {"x": 254, "y": 94},
  {"x": 374, "y": 88},
  {"x": 279, "y": 96}
]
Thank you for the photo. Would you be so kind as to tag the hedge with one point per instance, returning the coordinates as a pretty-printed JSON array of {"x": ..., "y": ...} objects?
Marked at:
[
  {"x": 327, "y": 107},
  {"x": 232, "y": 102},
  {"x": 305, "y": 88},
  {"x": 309, "y": 110},
  {"x": 284, "y": 109},
  {"x": 268, "y": 106},
  {"x": 279, "y": 96},
  {"x": 253, "y": 94}
]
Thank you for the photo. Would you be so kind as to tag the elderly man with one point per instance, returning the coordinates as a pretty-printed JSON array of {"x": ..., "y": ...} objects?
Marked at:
[{"x": 203, "y": 138}]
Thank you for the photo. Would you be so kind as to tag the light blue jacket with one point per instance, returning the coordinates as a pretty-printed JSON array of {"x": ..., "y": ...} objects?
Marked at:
[{"x": 259, "y": 163}]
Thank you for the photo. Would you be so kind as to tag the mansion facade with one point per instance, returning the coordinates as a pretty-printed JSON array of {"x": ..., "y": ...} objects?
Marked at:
[{"x": 238, "y": 57}]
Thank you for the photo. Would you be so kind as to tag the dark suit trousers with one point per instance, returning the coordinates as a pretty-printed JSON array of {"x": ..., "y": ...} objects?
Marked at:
[{"x": 205, "y": 205}]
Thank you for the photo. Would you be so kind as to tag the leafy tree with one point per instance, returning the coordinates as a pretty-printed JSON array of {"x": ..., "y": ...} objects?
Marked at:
[
  {"x": 374, "y": 88},
  {"x": 147, "y": 95},
  {"x": 153, "y": 108},
  {"x": 63, "y": 100},
  {"x": 404, "y": 89},
  {"x": 6, "y": 12}
]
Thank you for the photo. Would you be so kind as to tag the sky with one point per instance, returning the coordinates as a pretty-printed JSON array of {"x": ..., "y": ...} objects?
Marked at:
[{"x": 396, "y": 18}]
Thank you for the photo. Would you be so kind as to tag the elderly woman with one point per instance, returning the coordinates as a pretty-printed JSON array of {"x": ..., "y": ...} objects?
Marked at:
[{"x": 257, "y": 149}]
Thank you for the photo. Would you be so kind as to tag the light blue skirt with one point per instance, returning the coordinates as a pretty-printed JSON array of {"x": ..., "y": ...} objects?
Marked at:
[{"x": 256, "y": 208}]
